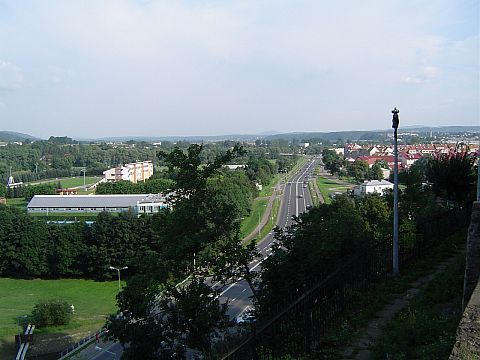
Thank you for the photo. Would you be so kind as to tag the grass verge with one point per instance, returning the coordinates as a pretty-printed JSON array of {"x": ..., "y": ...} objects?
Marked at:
[
  {"x": 426, "y": 328},
  {"x": 251, "y": 222},
  {"x": 367, "y": 303}
]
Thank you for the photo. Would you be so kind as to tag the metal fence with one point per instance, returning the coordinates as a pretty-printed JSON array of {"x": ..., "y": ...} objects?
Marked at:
[
  {"x": 81, "y": 343},
  {"x": 301, "y": 326}
]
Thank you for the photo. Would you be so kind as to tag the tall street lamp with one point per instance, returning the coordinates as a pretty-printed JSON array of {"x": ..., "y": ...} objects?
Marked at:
[
  {"x": 395, "y": 122},
  {"x": 118, "y": 272},
  {"x": 84, "y": 170}
]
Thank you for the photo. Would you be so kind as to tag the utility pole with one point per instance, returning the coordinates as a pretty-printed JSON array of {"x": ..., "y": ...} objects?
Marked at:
[{"x": 395, "y": 122}]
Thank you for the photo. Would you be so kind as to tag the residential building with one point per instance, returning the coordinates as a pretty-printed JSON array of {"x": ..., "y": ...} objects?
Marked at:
[{"x": 133, "y": 172}]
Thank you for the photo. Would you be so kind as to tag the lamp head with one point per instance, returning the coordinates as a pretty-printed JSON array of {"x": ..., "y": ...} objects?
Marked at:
[{"x": 395, "y": 119}]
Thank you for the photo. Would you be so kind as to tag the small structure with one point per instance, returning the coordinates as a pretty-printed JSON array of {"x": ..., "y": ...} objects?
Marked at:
[
  {"x": 66, "y": 191},
  {"x": 11, "y": 184},
  {"x": 371, "y": 187},
  {"x": 235, "y": 166}
]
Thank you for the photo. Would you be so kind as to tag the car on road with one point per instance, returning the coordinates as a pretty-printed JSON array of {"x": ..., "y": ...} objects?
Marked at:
[{"x": 300, "y": 196}]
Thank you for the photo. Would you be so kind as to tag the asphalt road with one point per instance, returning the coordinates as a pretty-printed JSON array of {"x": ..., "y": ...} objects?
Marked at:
[{"x": 296, "y": 198}]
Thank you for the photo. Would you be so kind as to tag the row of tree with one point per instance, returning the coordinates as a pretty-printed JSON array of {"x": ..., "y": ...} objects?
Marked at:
[
  {"x": 63, "y": 157},
  {"x": 150, "y": 186}
]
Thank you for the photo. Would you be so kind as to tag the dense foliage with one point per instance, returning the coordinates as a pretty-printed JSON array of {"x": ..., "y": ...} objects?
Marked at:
[
  {"x": 51, "y": 313},
  {"x": 64, "y": 157},
  {"x": 162, "y": 315},
  {"x": 32, "y": 248},
  {"x": 452, "y": 176},
  {"x": 317, "y": 243},
  {"x": 151, "y": 186}
]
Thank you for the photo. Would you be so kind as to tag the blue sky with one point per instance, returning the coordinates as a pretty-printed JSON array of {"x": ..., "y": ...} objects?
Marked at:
[{"x": 118, "y": 67}]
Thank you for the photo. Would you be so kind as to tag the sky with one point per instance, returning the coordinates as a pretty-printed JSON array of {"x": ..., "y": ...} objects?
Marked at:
[{"x": 90, "y": 69}]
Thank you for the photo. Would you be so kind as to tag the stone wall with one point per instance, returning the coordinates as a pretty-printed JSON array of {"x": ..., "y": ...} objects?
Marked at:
[{"x": 467, "y": 344}]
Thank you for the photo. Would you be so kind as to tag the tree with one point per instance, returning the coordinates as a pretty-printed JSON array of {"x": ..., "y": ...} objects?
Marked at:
[
  {"x": 333, "y": 161},
  {"x": 375, "y": 172},
  {"x": 51, "y": 313},
  {"x": 309, "y": 250},
  {"x": 452, "y": 176},
  {"x": 359, "y": 170},
  {"x": 161, "y": 315}
]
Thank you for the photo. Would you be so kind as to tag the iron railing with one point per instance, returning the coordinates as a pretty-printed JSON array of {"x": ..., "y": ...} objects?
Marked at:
[{"x": 301, "y": 326}]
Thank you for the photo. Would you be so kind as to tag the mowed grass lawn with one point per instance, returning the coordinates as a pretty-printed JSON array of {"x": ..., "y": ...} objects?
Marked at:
[
  {"x": 327, "y": 186},
  {"x": 93, "y": 302}
]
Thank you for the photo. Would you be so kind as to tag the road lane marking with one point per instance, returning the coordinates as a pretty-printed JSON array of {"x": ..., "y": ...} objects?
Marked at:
[{"x": 228, "y": 288}]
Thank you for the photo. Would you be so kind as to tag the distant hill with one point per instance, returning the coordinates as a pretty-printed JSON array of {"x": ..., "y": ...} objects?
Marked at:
[
  {"x": 373, "y": 135},
  {"x": 212, "y": 138},
  {"x": 8, "y": 136},
  {"x": 364, "y": 135}
]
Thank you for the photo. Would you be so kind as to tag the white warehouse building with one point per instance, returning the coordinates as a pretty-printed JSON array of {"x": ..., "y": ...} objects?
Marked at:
[{"x": 137, "y": 203}]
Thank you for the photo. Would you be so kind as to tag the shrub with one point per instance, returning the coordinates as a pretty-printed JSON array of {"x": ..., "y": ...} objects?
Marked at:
[{"x": 51, "y": 312}]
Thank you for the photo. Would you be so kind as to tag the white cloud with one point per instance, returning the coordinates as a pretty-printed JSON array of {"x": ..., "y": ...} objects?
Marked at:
[
  {"x": 11, "y": 76},
  {"x": 428, "y": 74}
]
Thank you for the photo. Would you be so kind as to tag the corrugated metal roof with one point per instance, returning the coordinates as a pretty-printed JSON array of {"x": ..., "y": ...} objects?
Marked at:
[{"x": 87, "y": 201}]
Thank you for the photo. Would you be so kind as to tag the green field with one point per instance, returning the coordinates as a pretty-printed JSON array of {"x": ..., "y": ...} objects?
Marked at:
[
  {"x": 328, "y": 186},
  {"x": 93, "y": 301},
  {"x": 70, "y": 182}
]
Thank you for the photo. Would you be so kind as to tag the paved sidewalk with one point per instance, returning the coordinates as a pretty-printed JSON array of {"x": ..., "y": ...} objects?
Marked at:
[{"x": 360, "y": 347}]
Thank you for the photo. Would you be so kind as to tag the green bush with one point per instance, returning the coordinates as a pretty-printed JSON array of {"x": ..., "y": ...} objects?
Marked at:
[{"x": 51, "y": 312}]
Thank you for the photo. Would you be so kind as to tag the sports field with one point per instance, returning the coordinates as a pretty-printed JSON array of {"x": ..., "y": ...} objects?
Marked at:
[
  {"x": 92, "y": 300},
  {"x": 70, "y": 182}
]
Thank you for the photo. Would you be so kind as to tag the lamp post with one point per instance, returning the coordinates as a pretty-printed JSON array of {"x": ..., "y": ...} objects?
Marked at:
[
  {"x": 118, "y": 272},
  {"x": 395, "y": 122},
  {"x": 84, "y": 170},
  {"x": 98, "y": 348}
]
